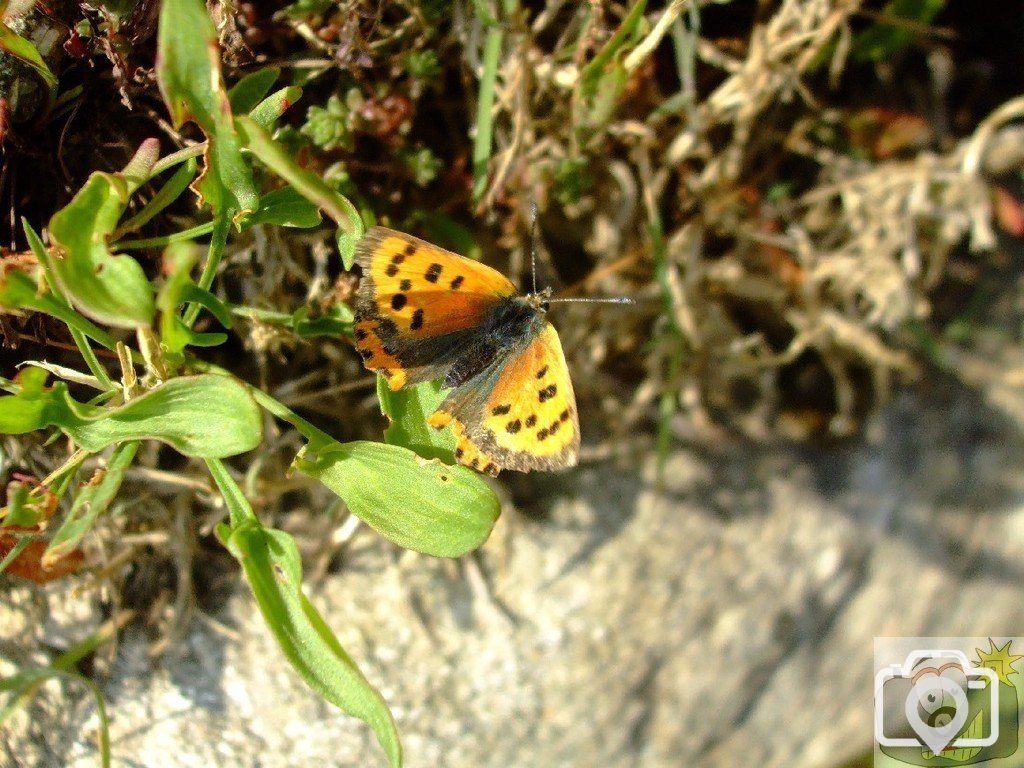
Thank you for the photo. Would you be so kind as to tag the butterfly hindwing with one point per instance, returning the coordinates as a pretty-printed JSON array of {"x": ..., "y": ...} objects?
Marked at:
[
  {"x": 418, "y": 304},
  {"x": 520, "y": 414}
]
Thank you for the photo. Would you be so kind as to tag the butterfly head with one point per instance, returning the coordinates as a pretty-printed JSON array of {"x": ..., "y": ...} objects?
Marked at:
[{"x": 540, "y": 301}]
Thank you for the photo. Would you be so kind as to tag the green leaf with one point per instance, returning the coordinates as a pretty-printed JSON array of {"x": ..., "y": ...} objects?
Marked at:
[
  {"x": 272, "y": 567},
  {"x": 29, "y": 505},
  {"x": 179, "y": 258},
  {"x": 285, "y": 207},
  {"x": 251, "y": 89},
  {"x": 883, "y": 40},
  {"x": 111, "y": 289},
  {"x": 408, "y": 410},
  {"x": 206, "y": 416},
  {"x": 166, "y": 195},
  {"x": 418, "y": 504},
  {"x": 330, "y": 127},
  {"x": 20, "y": 48},
  {"x": 306, "y": 183},
  {"x": 19, "y": 285},
  {"x": 26, "y": 411},
  {"x": 276, "y": 104},
  {"x": 616, "y": 45},
  {"x": 189, "y": 76},
  {"x": 346, "y": 242},
  {"x": 19, "y": 289},
  {"x": 91, "y": 501},
  {"x": 208, "y": 301}
]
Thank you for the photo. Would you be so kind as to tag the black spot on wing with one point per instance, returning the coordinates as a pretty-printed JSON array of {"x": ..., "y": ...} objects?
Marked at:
[
  {"x": 410, "y": 249},
  {"x": 392, "y": 270},
  {"x": 457, "y": 282},
  {"x": 398, "y": 301},
  {"x": 405, "y": 285},
  {"x": 501, "y": 410},
  {"x": 513, "y": 426},
  {"x": 531, "y": 420},
  {"x": 542, "y": 372},
  {"x": 547, "y": 393},
  {"x": 433, "y": 273},
  {"x": 417, "y": 320}
]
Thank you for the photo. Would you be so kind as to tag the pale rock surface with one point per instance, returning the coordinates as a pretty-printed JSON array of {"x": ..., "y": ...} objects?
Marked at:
[{"x": 727, "y": 620}]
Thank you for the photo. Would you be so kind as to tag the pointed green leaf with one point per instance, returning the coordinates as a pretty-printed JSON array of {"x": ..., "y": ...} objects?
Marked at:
[
  {"x": 418, "y": 504},
  {"x": 251, "y": 89},
  {"x": 337, "y": 321},
  {"x": 28, "y": 505},
  {"x": 206, "y": 416},
  {"x": 179, "y": 258},
  {"x": 166, "y": 195},
  {"x": 276, "y": 104},
  {"x": 110, "y": 289},
  {"x": 20, "y": 48},
  {"x": 273, "y": 569},
  {"x": 189, "y": 75},
  {"x": 285, "y": 207},
  {"x": 92, "y": 500},
  {"x": 29, "y": 409}
]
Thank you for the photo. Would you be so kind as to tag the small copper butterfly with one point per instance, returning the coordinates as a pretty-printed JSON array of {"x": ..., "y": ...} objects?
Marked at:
[{"x": 424, "y": 313}]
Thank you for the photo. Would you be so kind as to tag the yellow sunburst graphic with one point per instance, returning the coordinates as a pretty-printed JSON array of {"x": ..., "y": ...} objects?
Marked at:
[{"x": 999, "y": 660}]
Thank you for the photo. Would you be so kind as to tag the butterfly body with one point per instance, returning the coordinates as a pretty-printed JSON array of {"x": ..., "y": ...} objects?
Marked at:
[
  {"x": 424, "y": 313},
  {"x": 511, "y": 324}
]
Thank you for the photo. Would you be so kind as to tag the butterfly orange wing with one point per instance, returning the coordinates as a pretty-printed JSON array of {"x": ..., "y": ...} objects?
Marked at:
[
  {"x": 418, "y": 304},
  {"x": 519, "y": 415}
]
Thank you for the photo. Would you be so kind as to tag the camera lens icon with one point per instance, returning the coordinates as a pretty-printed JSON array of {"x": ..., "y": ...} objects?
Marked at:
[
  {"x": 925, "y": 702},
  {"x": 936, "y": 708}
]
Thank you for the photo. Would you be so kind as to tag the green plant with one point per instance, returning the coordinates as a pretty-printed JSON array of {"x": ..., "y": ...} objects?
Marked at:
[{"x": 165, "y": 391}]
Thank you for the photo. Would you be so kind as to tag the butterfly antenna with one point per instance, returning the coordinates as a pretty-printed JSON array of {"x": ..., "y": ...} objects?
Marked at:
[
  {"x": 608, "y": 300},
  {"x": 533, "y": 243},
  {"x": 533, "y": 270}
]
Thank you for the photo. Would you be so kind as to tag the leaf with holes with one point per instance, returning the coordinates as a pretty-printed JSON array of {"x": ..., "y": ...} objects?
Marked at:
[{"x": 418, "y": 504}]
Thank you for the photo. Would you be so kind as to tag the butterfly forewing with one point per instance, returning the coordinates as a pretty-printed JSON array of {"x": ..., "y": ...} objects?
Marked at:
[
  {"x": 425, "y": 290},
  {"x": 418, "y": 304}
]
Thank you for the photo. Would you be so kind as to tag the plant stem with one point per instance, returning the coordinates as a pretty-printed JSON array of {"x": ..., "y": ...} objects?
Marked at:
[
  {"x": 176, "y": 158},
  {"x": 221, "y": 225},
  {"x": 177, "y": 237},
  {"x": 239, "y": 507}
]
